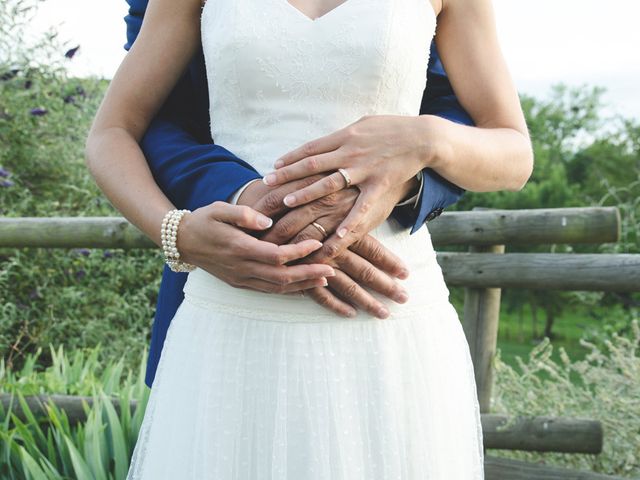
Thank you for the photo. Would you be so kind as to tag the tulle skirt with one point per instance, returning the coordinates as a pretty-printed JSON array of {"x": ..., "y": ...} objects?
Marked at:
[{"x": 254, "y": 386}]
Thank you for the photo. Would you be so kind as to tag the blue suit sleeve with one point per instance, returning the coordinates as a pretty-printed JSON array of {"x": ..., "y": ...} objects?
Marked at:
[
  {"x": 188, "y": 167},
  {"x": 192, "y": 175},
  {"x": 437, "y": 192}
]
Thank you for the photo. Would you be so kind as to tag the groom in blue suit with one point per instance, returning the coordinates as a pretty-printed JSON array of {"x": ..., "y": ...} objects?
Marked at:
[{"x": 193, "y": 172}]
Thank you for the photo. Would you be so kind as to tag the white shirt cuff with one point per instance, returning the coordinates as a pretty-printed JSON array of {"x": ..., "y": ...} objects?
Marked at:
[
  {"x": 234, "y": 198},
  {"x": 416, "y": 197}
]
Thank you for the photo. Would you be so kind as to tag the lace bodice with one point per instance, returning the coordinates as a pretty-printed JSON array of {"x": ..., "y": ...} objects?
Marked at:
[{"x": 278, "y": 79}]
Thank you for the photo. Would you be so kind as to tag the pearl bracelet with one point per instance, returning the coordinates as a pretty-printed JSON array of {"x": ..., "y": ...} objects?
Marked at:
[{"x": 169, "y": 234}]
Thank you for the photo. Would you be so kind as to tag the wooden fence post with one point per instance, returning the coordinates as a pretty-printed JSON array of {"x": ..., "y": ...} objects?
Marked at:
[{"x": 480, "y": 323}]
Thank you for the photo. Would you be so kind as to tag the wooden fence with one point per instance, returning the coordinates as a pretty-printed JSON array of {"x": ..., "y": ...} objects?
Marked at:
[{"x": 483, "y": 270}]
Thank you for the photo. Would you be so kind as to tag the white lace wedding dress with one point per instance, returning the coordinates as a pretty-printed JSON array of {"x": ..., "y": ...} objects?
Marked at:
[{"x": 258, "y": 386}]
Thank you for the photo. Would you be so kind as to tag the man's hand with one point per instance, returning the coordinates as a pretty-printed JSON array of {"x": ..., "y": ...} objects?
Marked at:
[
  {"x": 212, "y": 238},
  {"x": 330, "y": 211},
  {"x": 327, "y": 211},
  {"x": 367, "y": 264},
  {"x": 268, "y": 200}
]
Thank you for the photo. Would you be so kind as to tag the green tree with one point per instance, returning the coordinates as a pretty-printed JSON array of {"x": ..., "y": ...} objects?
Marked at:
[{"x": 581, "y": 159}]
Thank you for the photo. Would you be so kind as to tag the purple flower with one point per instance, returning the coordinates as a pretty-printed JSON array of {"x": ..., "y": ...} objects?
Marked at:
[
  {"x": 69, "y": 99},
  {"x": 107, "y": 254},
  {"x": 80, "y": 91},
  {"x": 6, "y": 183},
  {"x": 38, "y": 112},
  {"x": 83, "y": 251},
  {"x": 80, "y": 274},
  {"x": 4, "y": 173},
  {"x": 9, "y": 75},
  {"x": 71, "y": 52},
  {"x": 27, "y": 84}
]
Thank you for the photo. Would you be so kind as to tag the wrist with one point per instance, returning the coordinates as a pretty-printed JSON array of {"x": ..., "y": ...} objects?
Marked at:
[
  {"x": 252, "y": 192},
  {"x": 434, "y": 147},
  {"x": 407, "y": 190},
  {"x": 183, "y": 240},
  {"x": 171, "y": 229}
]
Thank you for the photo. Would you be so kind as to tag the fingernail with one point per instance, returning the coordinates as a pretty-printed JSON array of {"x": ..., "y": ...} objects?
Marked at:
[
  {"x": 324, "y": 282},
  {"x": 278, "y": 163},
  {"x": 402, "y": 297},
  {"x": 351, "y": 313},
  {"x": 342, "y": 232},
  {"x": 383, "y": 312},
  {"x": 289, "y": 200},
  {"x": 404, "y": 273},
  {"x": 264, "y": 222},
  {"x": 269, "y": 179},
  {"x": 332, "y": 273}
]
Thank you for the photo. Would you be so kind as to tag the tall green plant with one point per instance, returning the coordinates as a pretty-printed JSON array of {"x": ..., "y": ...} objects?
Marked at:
[{"x": 51, "y": 447}]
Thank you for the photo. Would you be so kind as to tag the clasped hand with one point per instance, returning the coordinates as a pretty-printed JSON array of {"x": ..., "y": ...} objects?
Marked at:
[{"x": 287, "y": 257}]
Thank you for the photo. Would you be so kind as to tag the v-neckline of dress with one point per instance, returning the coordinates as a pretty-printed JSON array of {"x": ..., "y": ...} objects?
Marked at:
[{"x": 321, "y": 17}]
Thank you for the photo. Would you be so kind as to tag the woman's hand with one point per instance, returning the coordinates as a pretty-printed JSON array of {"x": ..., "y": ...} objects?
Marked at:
[
  {"x": 379, "y": 154},
  {"x": 209, "y": 238}
]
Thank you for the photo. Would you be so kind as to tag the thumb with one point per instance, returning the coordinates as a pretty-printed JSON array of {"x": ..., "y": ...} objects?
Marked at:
[{"x": 241, "y": 216}]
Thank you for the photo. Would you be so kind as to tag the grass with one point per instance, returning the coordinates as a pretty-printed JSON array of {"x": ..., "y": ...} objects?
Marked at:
[{"x": 516, "y": 337}]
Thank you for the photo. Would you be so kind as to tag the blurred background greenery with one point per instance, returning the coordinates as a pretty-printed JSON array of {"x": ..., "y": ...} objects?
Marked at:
[{"x": 100, "y": 303}]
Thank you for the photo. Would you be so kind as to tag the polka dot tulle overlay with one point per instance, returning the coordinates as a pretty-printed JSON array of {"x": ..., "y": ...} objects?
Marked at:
[{"x": 240, "y": 398}]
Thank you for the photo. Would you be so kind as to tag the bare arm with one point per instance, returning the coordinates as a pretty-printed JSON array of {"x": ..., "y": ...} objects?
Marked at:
[
  {"x": 496, "y": 154},
  {"x": 167, "y": 41}
]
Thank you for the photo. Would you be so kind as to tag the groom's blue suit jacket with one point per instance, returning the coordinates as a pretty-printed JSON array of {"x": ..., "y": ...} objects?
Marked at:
[{"x": 193, "y": 172}]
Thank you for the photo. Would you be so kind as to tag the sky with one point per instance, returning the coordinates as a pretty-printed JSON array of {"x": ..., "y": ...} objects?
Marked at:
[{"x": 576, "y": 42}]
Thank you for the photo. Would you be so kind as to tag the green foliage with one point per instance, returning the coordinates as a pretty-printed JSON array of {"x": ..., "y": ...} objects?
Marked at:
[
  {"x": 80, "y": 372},
  {"x": 76, "y": 298},
  {"x": 580, "y": 155},
  {"x": 51, "y": 447},
  {"x": 44, "y": 118},
  {"x": 100, "y": 447},
  {"x": 604, "y": 386},
  {"x": 581, "y": 159}
]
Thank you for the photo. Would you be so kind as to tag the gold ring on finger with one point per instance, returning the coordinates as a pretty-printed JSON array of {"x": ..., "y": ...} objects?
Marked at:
[
  {"x": 346, "y": 177},
  {"x": 320, "y": 229}
]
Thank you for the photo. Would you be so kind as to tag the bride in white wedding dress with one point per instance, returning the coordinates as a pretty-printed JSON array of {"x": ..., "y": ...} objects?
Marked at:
[{"x": 252, "y": 385}]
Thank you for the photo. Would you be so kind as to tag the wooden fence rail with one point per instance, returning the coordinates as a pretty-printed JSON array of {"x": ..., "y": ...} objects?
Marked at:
[
  {"x": 496, "y": 468},
  {"x": 490, "y": 227},
  {"x": 484, "y": 270},
  {"x": 534, "y": 434},
  {"x": 615, "y": 272},
  {"x": 541, "y": 434}
]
